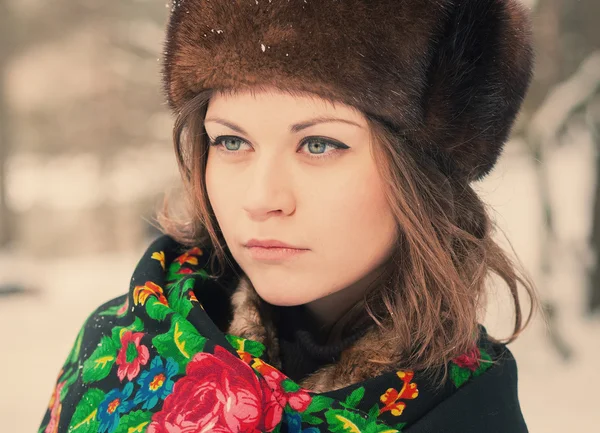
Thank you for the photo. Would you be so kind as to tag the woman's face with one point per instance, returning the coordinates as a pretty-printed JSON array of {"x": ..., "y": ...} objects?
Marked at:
[{"x": 268, "y": 179}]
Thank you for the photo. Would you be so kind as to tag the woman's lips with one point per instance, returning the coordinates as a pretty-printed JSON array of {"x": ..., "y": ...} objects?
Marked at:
[
  {"x": 275, "y": 253},
  {"x": 270, "y": 243}
]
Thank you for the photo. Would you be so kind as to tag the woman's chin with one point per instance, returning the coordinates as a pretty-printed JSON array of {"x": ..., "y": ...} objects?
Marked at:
[{"x": 283, "y": 300}]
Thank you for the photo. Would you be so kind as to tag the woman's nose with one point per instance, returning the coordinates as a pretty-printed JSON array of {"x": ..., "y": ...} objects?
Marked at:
[{"x": 268, "y": 189}]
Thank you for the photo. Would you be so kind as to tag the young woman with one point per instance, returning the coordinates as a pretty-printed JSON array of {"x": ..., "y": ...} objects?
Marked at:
[{"x": 330, "y": 267}]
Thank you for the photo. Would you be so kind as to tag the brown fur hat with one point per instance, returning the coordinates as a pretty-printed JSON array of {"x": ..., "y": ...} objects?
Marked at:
[{"x": 448, "y": 75}]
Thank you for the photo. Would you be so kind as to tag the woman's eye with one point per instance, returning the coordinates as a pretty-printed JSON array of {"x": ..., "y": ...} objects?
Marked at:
[
  {"x": 319, "y": 145},
  {"x": 316, "y": 145},
  {"x": 231, "y": 144}
]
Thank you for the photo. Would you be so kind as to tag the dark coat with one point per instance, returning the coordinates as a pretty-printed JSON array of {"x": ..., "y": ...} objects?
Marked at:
[{"x": 156, "y": 360}]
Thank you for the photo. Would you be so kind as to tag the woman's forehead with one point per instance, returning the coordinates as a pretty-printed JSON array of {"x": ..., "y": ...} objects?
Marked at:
[{"x": 280, "y": 104}]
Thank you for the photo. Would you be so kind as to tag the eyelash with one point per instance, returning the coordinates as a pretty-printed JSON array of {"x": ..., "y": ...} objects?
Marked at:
[{"x": 337, "y": 147}]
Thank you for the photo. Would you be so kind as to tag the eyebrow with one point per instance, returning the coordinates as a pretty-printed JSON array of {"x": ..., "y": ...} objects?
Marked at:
[{"x": 293, "y": 128}]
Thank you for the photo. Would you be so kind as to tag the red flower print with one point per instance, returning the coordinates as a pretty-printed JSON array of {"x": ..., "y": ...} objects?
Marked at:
[
  {"x": 298, "y": 400},
  {"x": 219, "y": 393},
  {"x": 131, "y": 355},
  {"x": 123, "y": 307},
  {"x": 55, "y": 408},
  {"x": 189, "y": 256},
  {"x": 391, "y": 398},
  {"x": 142, "y": 293},
  {"x": 468, "y": 360},
  {"x": 246, "y": 357}
]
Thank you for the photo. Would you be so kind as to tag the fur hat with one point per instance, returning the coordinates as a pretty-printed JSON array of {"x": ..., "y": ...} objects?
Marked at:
[{"x": 449, "y": 76}]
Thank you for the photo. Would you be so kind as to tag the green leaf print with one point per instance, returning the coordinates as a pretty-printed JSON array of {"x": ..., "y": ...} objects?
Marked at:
[
  {"x": 114, "y": 310},
  {"x": 118, "y": 331},
  {"x": 459, "y": 375},
  {"x": 84, "y": 419},
  {"x": 374, "y": 412},
  {"x": 178, "y": 296},
  {"x": 354, "y": 399},
  {"x": 69, "y": 377},
  {"x": 345, "y": 421},
  {"x": 400, "y": 426},
  {"x": 134, "y": 422},
  {"x": 202, "y": 273},
  {"x": 182, "y": 342},
  {"x": 341, "y": 421},
  {"x": 311, "y": 419},
  {"x": 288, "y": 385},
  {"x": 97, "y": 366},
  {"x": 252, "y": 347},
  {"x": 173, "y": 274},
  {"x": 318, "y": 403},
  {"x": 484, "y": 364},
  {"x": 157, "y": 310}
]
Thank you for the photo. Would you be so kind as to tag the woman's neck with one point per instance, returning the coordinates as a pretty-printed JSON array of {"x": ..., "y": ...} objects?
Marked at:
[{"x": 329, "y": 309}]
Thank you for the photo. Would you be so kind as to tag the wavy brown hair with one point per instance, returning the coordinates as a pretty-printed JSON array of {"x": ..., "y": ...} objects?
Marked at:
[{"x": 433, "y": 288}]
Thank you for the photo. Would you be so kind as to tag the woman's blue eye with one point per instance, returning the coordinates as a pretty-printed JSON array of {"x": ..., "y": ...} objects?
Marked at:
[
  {"x": 226, "y": 142},
  {"x": 322, "y": 144},
  {"x": 229, "y": 140}
]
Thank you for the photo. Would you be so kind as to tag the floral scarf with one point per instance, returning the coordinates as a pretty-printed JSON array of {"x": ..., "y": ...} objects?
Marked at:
[{"x": 155, "y": 360}]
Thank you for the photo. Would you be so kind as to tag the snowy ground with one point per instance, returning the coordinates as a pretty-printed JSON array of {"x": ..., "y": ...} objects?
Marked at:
[{"x": 556, "y": 395}]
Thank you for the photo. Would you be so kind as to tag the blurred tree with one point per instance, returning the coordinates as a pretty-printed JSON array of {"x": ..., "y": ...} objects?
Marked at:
[
  {"x": 84, "y": 82},
  {"x": 6, "y": 217},
  {"x": 584, "y": 33},
  {"x": 581, "y": 37},
  {"x": 566, "y": 78}
]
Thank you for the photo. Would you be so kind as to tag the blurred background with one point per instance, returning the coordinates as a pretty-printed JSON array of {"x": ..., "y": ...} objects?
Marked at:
[{"x": 86, "y": 157}]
